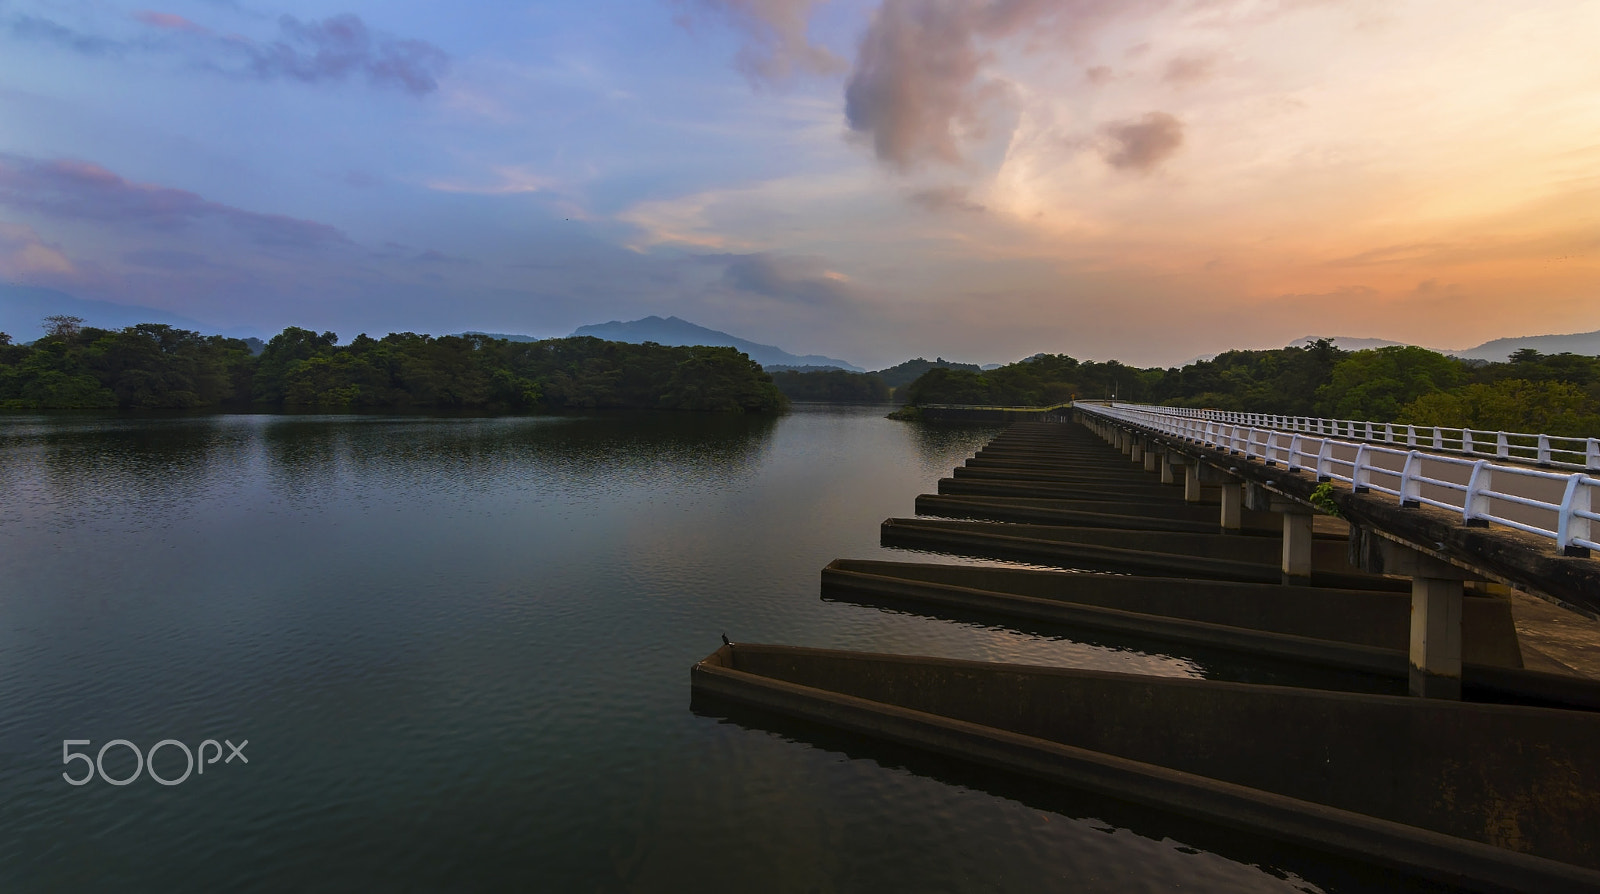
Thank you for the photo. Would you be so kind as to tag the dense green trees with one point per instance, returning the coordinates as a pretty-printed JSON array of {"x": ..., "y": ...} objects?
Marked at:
[
  {"x": 149, "y": 366},
  {"x": 903, "y": 374},
  {"x": 831, "y": 385},
  {"x": 156, "y": 366},
  {"x": 1041, "y": 380},
  {"x": 1376, "y": 384},
  {"x": 1557, "y": 394},
  {"x": 1283, "y": 381}
]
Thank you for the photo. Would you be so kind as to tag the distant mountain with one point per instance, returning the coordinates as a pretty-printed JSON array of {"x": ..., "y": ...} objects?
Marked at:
[
  {"x": 23, "y": 309},
  {"x": 1586, "y": 343},
  {"x": 779, "y": 367},
  {"x": 905, "y": 373},
  {"x": 1346, "y": 343},
  {"x": 503, "y": 336},
  {"x": 673, "y": 331}
]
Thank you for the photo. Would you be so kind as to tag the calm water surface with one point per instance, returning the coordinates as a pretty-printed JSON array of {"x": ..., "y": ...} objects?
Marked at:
[{"x": 459, "y": 649}]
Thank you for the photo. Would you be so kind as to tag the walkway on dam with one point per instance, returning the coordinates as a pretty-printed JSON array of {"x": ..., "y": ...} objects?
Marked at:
[
  {"x": 1442, "y": 520},
  {"x": 1065, "y": 475}
]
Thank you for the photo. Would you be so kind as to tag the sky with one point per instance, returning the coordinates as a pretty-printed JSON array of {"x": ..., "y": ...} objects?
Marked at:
[{"x": 1144, "y": 180}]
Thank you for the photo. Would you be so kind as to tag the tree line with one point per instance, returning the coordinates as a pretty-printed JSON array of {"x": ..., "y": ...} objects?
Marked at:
[
  {"x": 155, "y": 366},
  {"x": 831, "y": 386},
  {"x": 1556, "y": 394}
]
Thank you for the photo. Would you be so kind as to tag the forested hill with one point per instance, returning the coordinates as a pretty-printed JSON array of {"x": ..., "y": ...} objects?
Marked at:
[
  {"x": 1555, "y": 394},
  {"x": 153, "y": 366},
  {"x": 830, "y": 386},
  {"x": 903, "y": 374}
]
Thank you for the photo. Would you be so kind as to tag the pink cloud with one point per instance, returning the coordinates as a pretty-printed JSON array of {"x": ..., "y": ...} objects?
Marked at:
[
  {"x": 918, "y": 85},
  {"x": 80, "y": 190},
  {"x": 776, "y": 45},
  {"x": 169, "y": 22},
  {"x": 1143, "y": 144},
  {"x": 24, "y": 257}
]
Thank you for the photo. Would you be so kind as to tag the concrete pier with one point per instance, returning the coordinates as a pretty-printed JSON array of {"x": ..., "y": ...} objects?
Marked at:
[
  {"x": 1232, "y": 508},
  {"x": 1297, "y": 545}
]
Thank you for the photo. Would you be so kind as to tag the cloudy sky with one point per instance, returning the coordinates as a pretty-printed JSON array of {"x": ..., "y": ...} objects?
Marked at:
[{"x": 870, "y": 179}]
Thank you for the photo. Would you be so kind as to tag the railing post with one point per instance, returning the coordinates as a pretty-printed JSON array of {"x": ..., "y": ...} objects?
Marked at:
[
  {"x": 1411, "y": 436},
  {"x": 1544, "y": 450},
  {"x": 1502, "y": 446},
  {"x": 1438, "y": 438},
  {"x": 1410, "y": 487},
  {"x": 1361, "y": 473},
  {"x": 1594, "y": 455},
  {"x": 1573, "y": 526},
  {"x": 1466, "y": 441},
  {"x": 1293, "y": 461},
  {"x": 1325, "y": 461},
  {"x": 1475, "y": 506},
  {"x": 1272, "y": 443}
]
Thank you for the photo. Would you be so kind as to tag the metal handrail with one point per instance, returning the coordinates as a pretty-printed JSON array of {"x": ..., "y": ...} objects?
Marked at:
[
  {"x": 1574, "y": 516},
  {"x": 1555, "y": 451}
]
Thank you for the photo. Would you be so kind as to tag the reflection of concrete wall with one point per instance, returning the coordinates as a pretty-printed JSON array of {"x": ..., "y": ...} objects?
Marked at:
[
  {"x": 991, "y": 414},
  {"x": 1526, "y": 780}
]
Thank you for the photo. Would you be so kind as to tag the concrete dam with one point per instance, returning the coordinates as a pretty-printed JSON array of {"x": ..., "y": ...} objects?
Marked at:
[{"x": 1427, "y": 700}]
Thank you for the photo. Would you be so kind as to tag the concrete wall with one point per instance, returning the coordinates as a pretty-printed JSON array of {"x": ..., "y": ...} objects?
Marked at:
[
  {"x": 1360, "y": 617},
  {"x": 1525, "y": 780}
]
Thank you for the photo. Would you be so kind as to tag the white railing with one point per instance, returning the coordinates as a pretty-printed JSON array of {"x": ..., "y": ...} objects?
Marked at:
[
  {"x": 1368, "y": 467},
  {"x": 1555, "y": 451}
]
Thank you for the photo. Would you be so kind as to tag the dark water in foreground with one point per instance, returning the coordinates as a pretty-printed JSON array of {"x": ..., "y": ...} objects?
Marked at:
[{"x": 459, "y": 649}]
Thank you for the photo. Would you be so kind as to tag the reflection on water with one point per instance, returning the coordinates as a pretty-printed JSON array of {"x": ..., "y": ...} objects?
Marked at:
[{"x": 459, "y": 648}]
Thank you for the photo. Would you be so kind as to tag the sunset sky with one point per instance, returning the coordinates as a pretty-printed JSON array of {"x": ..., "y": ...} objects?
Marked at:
[{"x": 977, "y": 179}]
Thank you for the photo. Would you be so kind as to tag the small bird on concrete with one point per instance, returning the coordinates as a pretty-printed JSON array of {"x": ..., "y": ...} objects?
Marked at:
[{"x": 725, "y": 640}]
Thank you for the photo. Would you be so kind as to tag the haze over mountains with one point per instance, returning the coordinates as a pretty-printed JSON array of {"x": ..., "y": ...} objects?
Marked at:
[
  {"x": 23, "y": 308},
  {"x": 1496, "y": 351},
  {"x": 673, "y": 331}
]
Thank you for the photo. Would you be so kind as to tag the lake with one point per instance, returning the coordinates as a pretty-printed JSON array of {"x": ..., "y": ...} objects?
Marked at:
[{"x": 459, "y": 651}]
